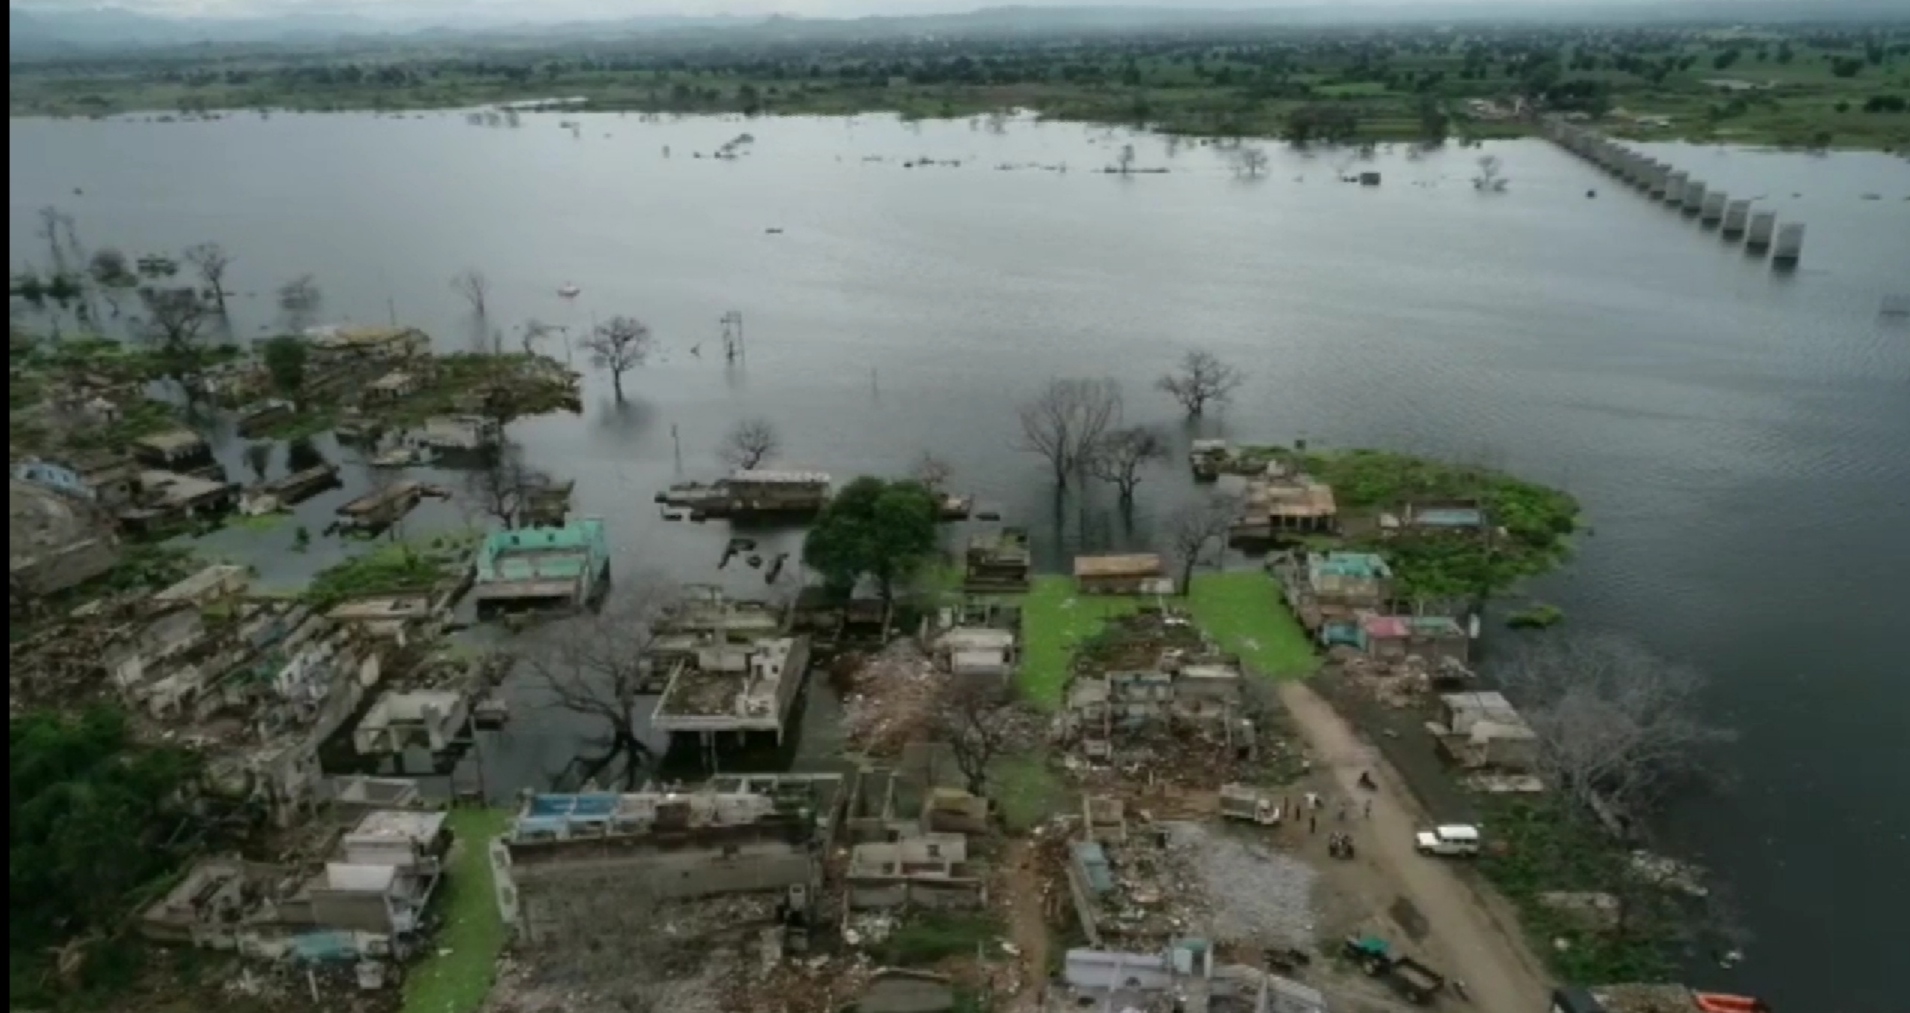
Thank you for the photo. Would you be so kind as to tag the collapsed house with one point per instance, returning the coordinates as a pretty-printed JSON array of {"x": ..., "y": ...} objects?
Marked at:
[
  {"x": 997, "y": 562},
  {"x": 366, "y": 902},
  {"x": 1325, "y": 587},
  {"x": 737, "y": 688},
  {"x": 1184, "y": 978},
  {"x": 171, "y": 497},
  {"x": 1482, "y": 730},
  {"x": 1137, "y": 573},
  {"x": 55, "y": 541},
  {"x": 1201, "y": 693},
  {"x": 566, "y": 566},
  {"x": 976, "y": 642},
  {"x": 585, "y": 869},
  {"x": 926, "y": 869},
  {"x": 1277, "y": 505},
  {"x": 703, "y": 617},
  {"x": 1393, "y": 638}
]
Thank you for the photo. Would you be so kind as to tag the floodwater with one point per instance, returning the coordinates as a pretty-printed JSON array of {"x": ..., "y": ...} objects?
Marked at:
[{"x": 1740, "y": 439}]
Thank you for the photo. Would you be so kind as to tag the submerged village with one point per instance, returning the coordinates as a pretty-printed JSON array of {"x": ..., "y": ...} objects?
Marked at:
[{"x": 1261, "y": 768}]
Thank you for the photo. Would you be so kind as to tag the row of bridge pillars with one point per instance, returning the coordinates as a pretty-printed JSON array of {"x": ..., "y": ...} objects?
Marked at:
[{"x": 1734, "y": 219}]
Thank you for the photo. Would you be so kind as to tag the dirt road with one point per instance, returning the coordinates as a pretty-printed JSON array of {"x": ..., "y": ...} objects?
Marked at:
[{"x": 1499, "y": 970}]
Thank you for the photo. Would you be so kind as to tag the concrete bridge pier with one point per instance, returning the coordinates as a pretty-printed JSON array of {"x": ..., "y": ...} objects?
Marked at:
[
  {"x": 1736, "y": 215},
  {"x": 1713, "y": 210},
  {"x": 1763, "y": 227},
  {"x": 1694, "y": 197},
  {"x": 1675, "y": 187},
  {"x": 1790, "y": 245}
]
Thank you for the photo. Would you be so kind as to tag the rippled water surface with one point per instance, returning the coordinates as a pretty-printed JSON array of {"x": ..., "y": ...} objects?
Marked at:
[{"x": 1741, "y": 439}]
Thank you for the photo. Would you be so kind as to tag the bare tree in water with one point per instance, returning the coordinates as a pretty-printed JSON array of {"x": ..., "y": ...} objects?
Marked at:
[
  {"x": 1617, "y": 725},
  {"x": 475, "y": 288},
  {"x": 1066, "y": 422},
  {"x": 750, "y": 443},
  {"x": 594, "y": 667},
  {"x": 1121, "y": 454},
  {"x": 1251, "y": 161},
  {"x": 932, "y": 471},
  {"x": 970, "y": 719},
  {"x": 1201, "y": 380},
  {"x": 503, "y": 486},
  {"x": 175, "y": 318},
  {"x": 619, "y": 345},
  {"x": 299, "y": 301},
  {"x": 1197, "y": 533},
  {"x": 211, "y": 261}
]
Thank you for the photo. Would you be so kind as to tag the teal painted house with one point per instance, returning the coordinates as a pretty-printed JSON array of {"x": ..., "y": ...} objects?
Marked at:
[{"x": 564, "y": 566}]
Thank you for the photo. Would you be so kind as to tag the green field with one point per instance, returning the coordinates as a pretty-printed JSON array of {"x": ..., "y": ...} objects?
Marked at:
[
  {"x": 1241, "y": 611},
  {"x": 458, "y": 973},
  {"x": 1820, "y": 88}
]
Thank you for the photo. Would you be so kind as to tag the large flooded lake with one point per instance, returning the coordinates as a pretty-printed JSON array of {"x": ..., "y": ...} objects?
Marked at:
[{"x": 1740, "y": 438}]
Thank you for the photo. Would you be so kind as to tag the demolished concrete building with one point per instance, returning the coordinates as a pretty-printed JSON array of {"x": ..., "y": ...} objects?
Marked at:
[
  {"x": 1200, "y": 693},
  {"x": 1483, "y": 730},
  {"x": 740, "y": 689},
  {"x": 576, "y": 869},
  {"x": 923, "y": 870}
]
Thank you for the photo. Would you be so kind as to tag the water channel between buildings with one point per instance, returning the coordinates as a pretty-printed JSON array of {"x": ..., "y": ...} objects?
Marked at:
[{"x": 1740, "y": 439}]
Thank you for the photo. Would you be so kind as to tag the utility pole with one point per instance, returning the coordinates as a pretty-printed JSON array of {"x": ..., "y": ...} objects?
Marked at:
[{"x": 732, "y": 335}]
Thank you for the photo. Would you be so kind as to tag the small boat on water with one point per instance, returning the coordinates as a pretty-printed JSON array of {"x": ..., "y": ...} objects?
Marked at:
[{"x": 569, "y": 291}]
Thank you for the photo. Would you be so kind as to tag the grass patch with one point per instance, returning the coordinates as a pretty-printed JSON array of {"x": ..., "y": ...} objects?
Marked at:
[
  {"x": 458, "y": 973},
  {"x": 388, "y": 569},
  {"x": 937, "y": 936},
  {"x": 1538, "y": 617},
  {"x": 1054, "y": 620},
  {"x": 1027, "y": 790},
  {"x": 1243, "y": 612},
  {"x": 258, "y": 522}
]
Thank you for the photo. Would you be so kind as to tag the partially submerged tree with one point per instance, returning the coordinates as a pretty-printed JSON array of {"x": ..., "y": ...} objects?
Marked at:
[
  {"x": 211, "y": 261},
  {"x": 302, "y": 454},
  {"x": 1125, "y": 164},
  {"x": 971, "y": 718},
  {"x": 1122, "y": 454},
  {"x": 111, "y": 273},
  {"x": 1066, "y": 422},
  {"x": 1201, "y": 380},
  {"x": 299, "y": 300},
  {"x": 504, "y": 484},
  {"x": 872, "y": 527},
  {"x": 258, "y": 459},
  {"x": 931, "y": 471},
  {"x": 1197, "y": 533},
  {"x": 174, "y": 320},
  {"x": 475, "y": 288},
  {"x": 749, "y": 443},
  {"x": 1617, "y": 725},
  {"x": 618, "y": 345},
  {"x": 1251, "y": 161},
  {"x": 594, "y": 667}
]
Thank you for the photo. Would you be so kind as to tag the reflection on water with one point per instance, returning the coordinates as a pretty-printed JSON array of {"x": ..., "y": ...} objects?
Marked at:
[{"x": 1737, "y": 437}]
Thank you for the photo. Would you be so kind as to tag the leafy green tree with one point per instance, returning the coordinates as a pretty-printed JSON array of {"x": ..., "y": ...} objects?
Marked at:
[
  {"x": 873, "y": 527},
  {"x": 93, "y": 816},
  {"x": 285, "y": 359}
]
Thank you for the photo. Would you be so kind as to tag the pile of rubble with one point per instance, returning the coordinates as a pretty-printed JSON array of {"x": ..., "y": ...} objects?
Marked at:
[
  {"x": 891, "y": 699},
  {"x": 1247, "y": 893},
  {"x": 1398, "y": 684}
]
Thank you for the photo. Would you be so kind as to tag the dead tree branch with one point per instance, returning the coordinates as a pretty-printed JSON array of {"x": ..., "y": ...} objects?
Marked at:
[
  {"x": 1197, "y": 533},
  {"x": 1066, "y": 422},
  {"x": 1122, "y": 454},
  {"x": 618, "y": 345},
  {"x": 970, "y": 719},
  {"x": 475, "y": 288},
  {"x": 750, "y": 443},
  {"x": 211, "y": 261},
  {"x": 1201, "y": 380}
]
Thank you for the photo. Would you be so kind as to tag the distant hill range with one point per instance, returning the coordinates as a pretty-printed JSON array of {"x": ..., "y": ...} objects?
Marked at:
[{"x": 48, "y": 31}]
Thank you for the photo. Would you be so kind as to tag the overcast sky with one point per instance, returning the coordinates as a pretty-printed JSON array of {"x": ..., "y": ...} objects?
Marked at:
[{"x": 448, "y": 11}]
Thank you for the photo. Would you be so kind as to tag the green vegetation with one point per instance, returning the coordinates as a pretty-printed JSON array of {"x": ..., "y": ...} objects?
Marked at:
[
  {"x": 1543, "y": 847},
  {"x": 1537, "y": 522},
  {"x": 388, "y": 569},
  {"x": 1054, "y": 621},
  {"x": 96, "y": 823},
  {"x": 1537, "y": 617},
  {"x": 875, "y": 528},
  {"x": 1804, "y": 86},
  {"x": 284, "y": 358},
  {"x": 1026, "y": 790},
  {"x": 1243, "y": 612},
  {"x": 937, "y": 935},
  {"x": 458, "y": 972}
]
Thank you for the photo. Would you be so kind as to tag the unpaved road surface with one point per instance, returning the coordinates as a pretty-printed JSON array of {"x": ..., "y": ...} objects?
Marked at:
[{"x": 1499, "y": 970}]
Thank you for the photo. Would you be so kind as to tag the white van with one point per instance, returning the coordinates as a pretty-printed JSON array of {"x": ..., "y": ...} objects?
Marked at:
[{"x": 1451, "y": 840}]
